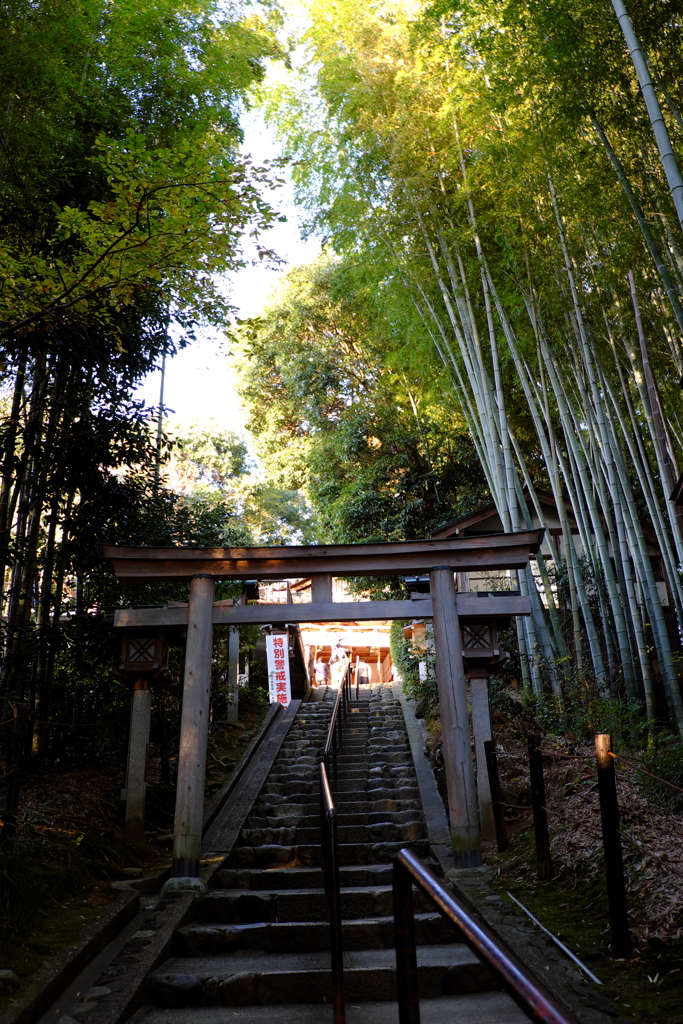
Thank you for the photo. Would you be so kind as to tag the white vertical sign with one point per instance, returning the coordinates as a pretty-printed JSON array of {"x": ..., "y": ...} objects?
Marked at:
[{"x": 277, "y": 648}]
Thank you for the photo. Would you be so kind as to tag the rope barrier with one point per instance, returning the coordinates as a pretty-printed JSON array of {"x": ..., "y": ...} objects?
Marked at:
[
  {"x": 566, "y": 757},
  {"x": 645, "y": 771}
]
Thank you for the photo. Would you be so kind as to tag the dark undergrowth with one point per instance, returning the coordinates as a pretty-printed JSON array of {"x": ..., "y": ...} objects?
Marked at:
[
  {"x": 647, "y": 985},
  {"x": 56, "y": 875}
]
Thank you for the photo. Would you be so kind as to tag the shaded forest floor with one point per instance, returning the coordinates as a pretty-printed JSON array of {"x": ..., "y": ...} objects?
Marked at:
[
  {"x": 647, "y": 985},
  {"x": 56, "y": 877}
]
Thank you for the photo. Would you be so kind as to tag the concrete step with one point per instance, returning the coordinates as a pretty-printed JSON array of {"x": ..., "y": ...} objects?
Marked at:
[
  {"x": 262, "y": 940},
  {"x": 369, "y": 974},
  {"x": 476, "y": 1008},
  {"x": 249, "y": 906},
  {"x": 284, "y": 936}
]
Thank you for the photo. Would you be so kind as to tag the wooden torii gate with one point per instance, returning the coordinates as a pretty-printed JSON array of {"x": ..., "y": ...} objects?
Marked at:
[{"x": 204, "y": 566}]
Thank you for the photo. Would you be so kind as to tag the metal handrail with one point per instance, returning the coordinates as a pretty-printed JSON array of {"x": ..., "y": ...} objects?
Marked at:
[
  {"x": 329, "y": 845},
  {"x": 330, "y": 858},
  {"x": 529, "y": 994},
  {"x": 338, "y": 719}
]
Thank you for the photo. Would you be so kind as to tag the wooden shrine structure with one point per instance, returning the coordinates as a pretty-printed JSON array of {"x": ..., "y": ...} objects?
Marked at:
[{"x": 440, "y": 558}]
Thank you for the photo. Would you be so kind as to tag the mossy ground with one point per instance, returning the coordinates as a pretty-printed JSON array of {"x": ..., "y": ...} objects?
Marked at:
[
  {"x": 647, "y": 985},
  {"x": 55, "y": 878}
]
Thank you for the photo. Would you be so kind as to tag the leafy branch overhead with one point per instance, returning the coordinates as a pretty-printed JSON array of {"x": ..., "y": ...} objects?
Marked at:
[
  {"x": 120, "y": 168},
  {"x": 172, "y": 220},
  {"x": 124, "y": 196}
]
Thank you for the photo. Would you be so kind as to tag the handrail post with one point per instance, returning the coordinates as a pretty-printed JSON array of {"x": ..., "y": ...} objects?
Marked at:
[
  {"x": 404, "y": 938},
  {"x": 545, "y": 864},
  {"x": 611, "y": 841},
  {"x": 330, "y": 856},
  {"x": 336, "y": 950},
  {"x": 537, "y": 1002},
  {"x": 329, "y": 847},
  {"x": 323, "y": 841}
]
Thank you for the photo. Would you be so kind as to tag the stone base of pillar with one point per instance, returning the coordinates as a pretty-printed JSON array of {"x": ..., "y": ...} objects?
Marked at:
[{"x": 184, "y": 884}]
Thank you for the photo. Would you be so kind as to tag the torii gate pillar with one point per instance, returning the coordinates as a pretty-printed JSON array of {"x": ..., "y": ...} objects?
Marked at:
[
  {"x": 457, "y": 752},
  {"x": 194, "y": 727}
]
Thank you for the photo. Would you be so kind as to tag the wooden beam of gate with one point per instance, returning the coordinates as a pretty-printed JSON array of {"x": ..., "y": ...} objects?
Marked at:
[
  {"x": 462, "y": 554},
  {"x": 469, "y": 606}
]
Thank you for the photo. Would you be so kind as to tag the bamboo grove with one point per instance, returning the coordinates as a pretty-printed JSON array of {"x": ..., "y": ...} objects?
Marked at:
[
  {"x": 123, "y": 193},
  {"x": 508, "y": 177}
]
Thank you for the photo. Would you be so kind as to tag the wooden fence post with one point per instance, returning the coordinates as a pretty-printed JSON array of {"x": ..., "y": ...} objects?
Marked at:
[
  {"x": 611, "y": 841},
  {"x": 545, "y": 864}
]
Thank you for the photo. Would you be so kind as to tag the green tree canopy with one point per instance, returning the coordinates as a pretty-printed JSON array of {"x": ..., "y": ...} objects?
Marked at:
[{"x": 344, "y": 420}]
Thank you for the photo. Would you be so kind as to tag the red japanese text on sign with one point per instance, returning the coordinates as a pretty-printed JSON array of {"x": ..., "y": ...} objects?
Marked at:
[{"x": 278, "y": 668}]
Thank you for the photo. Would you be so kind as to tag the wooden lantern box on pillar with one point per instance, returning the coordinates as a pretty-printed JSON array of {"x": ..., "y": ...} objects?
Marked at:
[
  {"x": 144, "y": 652},
  {"x": 479, "y": 640}
]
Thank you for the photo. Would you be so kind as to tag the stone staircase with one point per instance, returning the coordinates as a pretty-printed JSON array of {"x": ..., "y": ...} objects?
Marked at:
[{"x": 258, "y": 945}]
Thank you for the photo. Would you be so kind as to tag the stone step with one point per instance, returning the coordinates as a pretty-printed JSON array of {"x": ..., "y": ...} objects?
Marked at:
[
  {"x": 398, "y": 773},
  {"x": 359, "y": 819},
  {"x": 474, "y": 1008},
  {"x": 377, "y": 832},
  {"x": 369, "y": 974},
  {"x": 301, "y": 878},
  {"x": 275, "y": 804},
  {"x": 345, "y": 803},
  {"x": 378, "y": 792},
  {"x": 284, "y": 936},
  {"x": 310, "y": 856},
  {"x": 383, "y": 775},
  {"x": 303, "y": 788},
  {"x": 249, "y": 906},
  {"x": 301, "y": 771}
]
